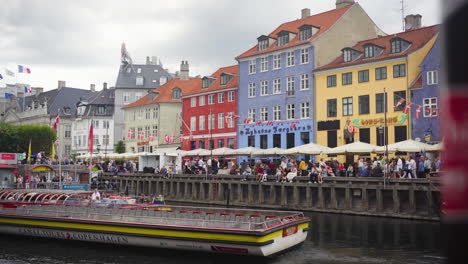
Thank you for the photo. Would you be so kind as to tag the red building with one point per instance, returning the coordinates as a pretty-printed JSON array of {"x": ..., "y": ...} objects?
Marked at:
[{"x": 209, "y": 111}]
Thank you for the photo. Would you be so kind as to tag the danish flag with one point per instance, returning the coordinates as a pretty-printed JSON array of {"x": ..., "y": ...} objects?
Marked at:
[
  {"x": 130, "y": 133},
  {"x": 259, "y": 122},
  {"x": 247, "y": 120},
  {"x": 430, "y": 110},
  {"x": 269, "y": 123},
  {"x": 57, "y": 119},
  {"x": 226, "y": 118},
  {"x": 407, "y": 108},
  {"x": 141, "y": 135},
  {"x": 399, "y": 103},
  {"x": 293, "y": 124},
  {"x": 151, "y": 137},
  {"x": 418, "y": 112},
  {"x": 235, "y": 116}
]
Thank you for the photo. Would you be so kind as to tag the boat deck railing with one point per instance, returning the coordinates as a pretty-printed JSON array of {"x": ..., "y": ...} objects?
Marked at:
[{"x": 241, "y": 219}]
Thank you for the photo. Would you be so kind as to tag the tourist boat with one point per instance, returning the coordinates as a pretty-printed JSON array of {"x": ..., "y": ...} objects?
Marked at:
[{"x": 235, "y": 231}]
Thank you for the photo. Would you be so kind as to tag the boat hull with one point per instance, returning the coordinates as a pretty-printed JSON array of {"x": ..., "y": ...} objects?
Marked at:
[{"x": 268, "y": 245}]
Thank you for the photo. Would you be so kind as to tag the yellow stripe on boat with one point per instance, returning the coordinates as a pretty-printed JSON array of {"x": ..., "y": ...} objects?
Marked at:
[{"x": 149, "y": 231}]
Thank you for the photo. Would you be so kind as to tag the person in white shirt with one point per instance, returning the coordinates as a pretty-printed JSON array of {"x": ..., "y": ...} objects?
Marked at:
[
  {"x": 399, "y": 167},
  {"x": 96, "y": 196}
]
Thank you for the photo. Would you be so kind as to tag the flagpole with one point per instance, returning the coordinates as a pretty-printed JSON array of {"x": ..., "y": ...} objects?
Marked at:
[{"x": 59, "y": 152}]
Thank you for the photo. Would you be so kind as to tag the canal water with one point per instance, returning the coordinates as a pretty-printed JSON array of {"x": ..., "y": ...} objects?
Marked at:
[{"x": 333, "y": 239}]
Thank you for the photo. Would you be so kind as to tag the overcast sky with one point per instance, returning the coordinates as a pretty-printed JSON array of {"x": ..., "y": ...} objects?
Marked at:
[{"x": 79, "y": 41}]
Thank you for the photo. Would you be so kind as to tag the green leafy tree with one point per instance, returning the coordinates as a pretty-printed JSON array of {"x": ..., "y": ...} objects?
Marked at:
[
  {"x": 16, "y": 138},
  {"x": 120, "y": 147}
]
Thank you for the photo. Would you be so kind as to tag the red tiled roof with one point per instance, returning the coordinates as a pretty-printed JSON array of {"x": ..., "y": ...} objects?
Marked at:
[
  {"x": 418, "y": 82},
  {"x": 417, "y": 38},
  {"x": 216, "y": 85},
  {"x": 323, "y": 21},
  {"x": 165, "y": 92}
]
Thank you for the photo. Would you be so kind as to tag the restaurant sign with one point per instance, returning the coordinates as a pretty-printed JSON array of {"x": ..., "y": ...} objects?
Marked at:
[
  {"x": 143, "y": 143},
  {"x": 392, "y": 120},
  {"x": 8, "y": 158}
]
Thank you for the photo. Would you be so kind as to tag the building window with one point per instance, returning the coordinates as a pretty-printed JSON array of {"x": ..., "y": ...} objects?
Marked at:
[
  {"x": 347, "y": 106},
  {"x": 290, "y": 140},
  {"x": 201, "y": 100},
  {"x": 264, "y": 88},
  {"x": 193, "y": 102},
  {"x": 252, "y": 66},
  {"x": 263, "y": 141},
  {"x": 263, "y": 64},
  {"x": 230, "y": 143},
  {"x": 283, "y": 40},
  {"x": 140, "y": 114},
  {"x": 276, "y": 86},
  {"x": 379, "y": 103},
  {"x": 305, "y": 81},
  {"x": 277, "y": 140},
  {"x": 432, "y": 77},
  {"x": 397, "y": 96},
  {"x": 369, "y": 51},
  {"x": 96, "y": 123},
  {"x": 347, "y": 78},
  {"x": 105, "y": 140},
  {"x": 396, "y": 46},
  {"x": 155, "y": 131},
  {"x": 331, "y": 108},
  {"x": 363, "y": 104},
  {"x": 381, "y": 73},
  {"x": 276, "y": 113},
  {"x": 138, "y": 96},
  {"x": 400, "y": 133},
  {"x": 176, "y": 93},
  {"x": 231, "y": 96},
  {"x": 276, "y": 61},
  {"x": 290, "y": 86},
  {"x": 290, "y": 108},
  {"x": 139, "y": 80},
  {"x": 155, "y": 113},
  {"x": 67, "y": 150},
  {"x": 211, "y": 121},
  {"x": 67, "y": 131},
  {"x": 364, "y": 135},
  {"x": 363, "y": 76},
  {"x": 147, "y": 113},
  {"x": 220, "y": 120},
  {"x": 201, "y": 144},
  {"x": 147, "y": 131},
  {"x": 201, "y": 122},
  {"x": 252, "y": 90},
  {"x": 347, "y": 55},
  {"x": 220, "y": 98},
  {"x": 225, "y": 78},
  {"x": 305, "y": 112},
  {"x": 251, "y": 141},
  {"x": 162, "y": 80},
  {"x": 193, "y": 123},
  {"x": 264, "y": 113},
  {"x": 140, "y": 133},
  {"x": 399, "y": 70},
  {"x": 251, "y": 114},
  {"x": 231, "y": 120},
  {"x": 106, "y": 124},
  {"x": 331, "y": 81},
  {"x": 220, "y": 143},
  {"x": 332, "y": 138},
  {"x": 126, "y": 98},
  {"x": 289, "y": 58},
  {"x": 304, "y": 34},
  {"x": 262, "y": 44},
  {"x": 304, "y": 56},
  {"x": 430, "y": 105},
  {"x": 206, "y": 83},
  {"x": 211, "y": 99}
]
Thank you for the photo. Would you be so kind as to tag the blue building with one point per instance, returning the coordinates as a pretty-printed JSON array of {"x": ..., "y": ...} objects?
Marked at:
[
  {"x": 276, "y": 81},
  {"x": 425, "y": 93}
]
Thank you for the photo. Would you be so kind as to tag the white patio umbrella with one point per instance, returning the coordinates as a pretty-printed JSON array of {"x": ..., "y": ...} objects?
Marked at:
[
  {"x": 269, "y": 152},
  {"x": 247, "y": 151},
  {"x": 406, "y": 146},
  {"x": 223, "y": 152},
  {"x": 308, "y": 149},
  {"x": 436, "y": 148},
  {"x": 356, "y": 147},
  {"x": 198, "y": 152}
]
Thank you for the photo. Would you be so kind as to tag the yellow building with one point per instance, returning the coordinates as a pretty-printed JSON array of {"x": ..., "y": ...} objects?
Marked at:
[{"x": 350, "y": 90}]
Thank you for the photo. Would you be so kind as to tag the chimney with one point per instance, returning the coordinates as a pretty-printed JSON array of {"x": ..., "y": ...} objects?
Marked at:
[
  {"x": 184, "y": 70},
  {"x": 148, "y": 62},
  {"x": 104, "y": 86},
  {"x": 412, "y": 22},
  {"x": 305, "y": 13},
  {"x": 343, "y": 3},
  {"x": 39, "y": 90},
  {"x": 154, "y": 60},
  {"x": 61, "y": 84}
]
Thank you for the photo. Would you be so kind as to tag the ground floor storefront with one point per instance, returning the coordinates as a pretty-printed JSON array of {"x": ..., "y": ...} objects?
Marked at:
[{"x": 210, "y": 141}]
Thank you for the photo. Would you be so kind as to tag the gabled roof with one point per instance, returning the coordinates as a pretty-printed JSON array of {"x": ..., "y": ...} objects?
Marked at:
[
  {"x": 149, "y": 72},
  {"x": 165, "y": 92},
  {"x": 323, "y": 21},
  {"x": 417, "y": 38},
  {"x": 216, "y": 85}
]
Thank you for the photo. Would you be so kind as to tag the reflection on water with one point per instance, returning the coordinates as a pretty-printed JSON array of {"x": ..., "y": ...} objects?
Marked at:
[{"x": 332, "y": 239}]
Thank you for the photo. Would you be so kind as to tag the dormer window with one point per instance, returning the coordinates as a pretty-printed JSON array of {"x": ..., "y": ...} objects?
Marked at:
[
  {"x": 347, "y": 55},
  {"x": 176, "y": 93},
  {"x": 369, "y": 51},
  {"x": 139, "y": 80},
  {"x": 262, "y": 44},
  {"x": 139, "y": 70},
  {"x": 305, "y": 32},
  {"x": 396, "y": 46},
  {"x": 225, "y": 78},
  {"x": 207, "y": 81},
  {"x": 283, "y": 38},
  {"x": 162, "y": 80}
]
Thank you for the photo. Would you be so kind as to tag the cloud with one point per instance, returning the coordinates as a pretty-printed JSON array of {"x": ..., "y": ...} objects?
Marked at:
[{"x": 79, "y": 41}]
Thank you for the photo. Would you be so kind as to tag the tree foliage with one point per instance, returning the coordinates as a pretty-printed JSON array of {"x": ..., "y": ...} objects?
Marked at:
[
  {"x": 16, "y": 138},
  {"x": 120, "y": 147}
]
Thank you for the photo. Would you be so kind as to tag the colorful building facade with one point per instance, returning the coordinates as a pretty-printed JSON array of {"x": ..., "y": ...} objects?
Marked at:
[
  {"x": 351, "y": 89},
  {"x": 425, "y": 93},
  {"x": 276, "y": 83},
  {"x": 210, "y": 110}
]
